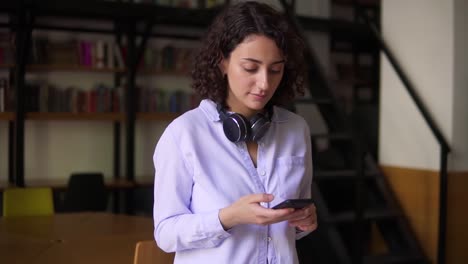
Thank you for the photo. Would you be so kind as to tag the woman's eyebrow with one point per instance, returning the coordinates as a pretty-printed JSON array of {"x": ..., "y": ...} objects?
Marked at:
[{"x": 260, "y": 62}]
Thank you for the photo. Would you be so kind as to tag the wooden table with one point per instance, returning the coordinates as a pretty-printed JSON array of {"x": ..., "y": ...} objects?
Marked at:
[
  {"x": 72, "y": 238},
  {"x": 61, "y": 184}
]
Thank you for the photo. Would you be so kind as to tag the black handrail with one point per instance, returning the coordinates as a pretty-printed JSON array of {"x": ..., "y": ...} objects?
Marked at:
[{"x": 444, "y": 146}]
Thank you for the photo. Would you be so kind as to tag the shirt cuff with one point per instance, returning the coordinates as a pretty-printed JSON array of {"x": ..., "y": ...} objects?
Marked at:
[
  {"x": 215, "y": 228},
  {"x": 300, "y": 234}
]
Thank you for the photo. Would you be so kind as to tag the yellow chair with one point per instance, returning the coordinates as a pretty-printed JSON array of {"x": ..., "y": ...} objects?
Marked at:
[
  {"x": 27, "y": 202},
  {"x": 147, "y": 252}
]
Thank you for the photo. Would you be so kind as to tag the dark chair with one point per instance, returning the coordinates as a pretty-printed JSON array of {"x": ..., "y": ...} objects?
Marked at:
[{"x": 85, "y": 192}]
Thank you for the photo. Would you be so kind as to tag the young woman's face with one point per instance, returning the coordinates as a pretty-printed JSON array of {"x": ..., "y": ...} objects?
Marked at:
[{"x": 254, "y": 70}]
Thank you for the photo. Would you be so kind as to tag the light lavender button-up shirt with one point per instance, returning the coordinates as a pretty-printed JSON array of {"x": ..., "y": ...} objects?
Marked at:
[{"x": 199, "y": 171}]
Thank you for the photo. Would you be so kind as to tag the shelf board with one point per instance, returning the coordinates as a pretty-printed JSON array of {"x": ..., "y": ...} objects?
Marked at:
[
  {"x": 92, "y": 116},
  {"x": 70, "y": 67},
  {"x": 144, "y": 181},
  {"x": 163, "y": 72},
  {"x": 74, "y": 116},
  {"x": 167, "y": 116},
  {"x": 6, "y": 66},
  {"x": 7, "y": 116}
]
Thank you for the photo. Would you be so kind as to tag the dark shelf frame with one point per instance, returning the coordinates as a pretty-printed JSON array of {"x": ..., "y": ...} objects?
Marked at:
[{"x": 130, "y": 20}]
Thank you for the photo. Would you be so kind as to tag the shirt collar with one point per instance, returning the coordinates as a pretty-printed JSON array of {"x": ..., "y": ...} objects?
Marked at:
[{"x": 209, "y": 108}]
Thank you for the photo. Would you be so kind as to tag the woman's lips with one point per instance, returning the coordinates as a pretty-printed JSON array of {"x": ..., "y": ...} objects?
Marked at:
[{"x": 259, "y": 96}]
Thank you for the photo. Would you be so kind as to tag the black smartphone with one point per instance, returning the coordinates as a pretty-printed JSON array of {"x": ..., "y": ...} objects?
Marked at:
[{"x": 293, "y": 203}]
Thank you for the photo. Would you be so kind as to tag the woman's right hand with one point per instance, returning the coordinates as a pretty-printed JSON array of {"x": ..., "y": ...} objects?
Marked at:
[{"x": 247, "y": 210}]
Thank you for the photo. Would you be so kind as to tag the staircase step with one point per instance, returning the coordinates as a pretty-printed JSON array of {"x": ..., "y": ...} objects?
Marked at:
[
  {"x": 339, "y": 174},
  {"x": 322, "y": 101},
  {"x": 394, "y": 259},
  {"x": 333, "y": 136},
  {"x": 350, "y": 216}
]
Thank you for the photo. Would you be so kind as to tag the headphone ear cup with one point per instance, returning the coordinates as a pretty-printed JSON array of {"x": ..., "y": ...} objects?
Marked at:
[
  {"x": 236, "y": 127},
  {"x": 259, "y": 125}
]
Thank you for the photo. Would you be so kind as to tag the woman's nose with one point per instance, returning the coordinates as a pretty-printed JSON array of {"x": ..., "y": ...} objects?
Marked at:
[
  {"x": 262, "y": 85},
  {"x": 263, "y": 81}
]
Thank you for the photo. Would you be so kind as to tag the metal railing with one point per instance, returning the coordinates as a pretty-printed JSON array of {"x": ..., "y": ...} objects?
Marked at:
[{"x": 444, "y": 146}]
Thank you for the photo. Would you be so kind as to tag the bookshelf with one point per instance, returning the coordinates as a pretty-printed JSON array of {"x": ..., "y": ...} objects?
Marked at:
[{"x": 131, "y": 25}]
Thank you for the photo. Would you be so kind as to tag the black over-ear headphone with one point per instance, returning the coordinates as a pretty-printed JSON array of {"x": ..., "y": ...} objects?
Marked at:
[{"x": 238, "y": 128}]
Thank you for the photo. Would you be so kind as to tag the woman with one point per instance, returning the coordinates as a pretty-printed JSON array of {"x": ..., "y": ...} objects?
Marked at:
[{"x": 221, "y": 167}]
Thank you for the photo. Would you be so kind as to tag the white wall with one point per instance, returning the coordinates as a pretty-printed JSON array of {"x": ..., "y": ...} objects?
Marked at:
[
  {"x": 420, "y": 34},
  {"x": 460, "y": 106}
]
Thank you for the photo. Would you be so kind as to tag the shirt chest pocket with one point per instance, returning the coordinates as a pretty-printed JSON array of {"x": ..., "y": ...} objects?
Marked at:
[{"x": 290, "y": 172}]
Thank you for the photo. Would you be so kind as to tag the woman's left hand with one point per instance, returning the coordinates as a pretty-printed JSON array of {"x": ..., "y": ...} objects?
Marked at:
[{"x": 305, "y": 219}]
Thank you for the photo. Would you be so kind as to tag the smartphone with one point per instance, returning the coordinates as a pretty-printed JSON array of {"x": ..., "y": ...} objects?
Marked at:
[{"x": 293, "y": 203}]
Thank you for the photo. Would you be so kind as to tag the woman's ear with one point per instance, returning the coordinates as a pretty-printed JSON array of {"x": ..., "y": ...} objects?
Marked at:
[{"x": 222, "y": 66}]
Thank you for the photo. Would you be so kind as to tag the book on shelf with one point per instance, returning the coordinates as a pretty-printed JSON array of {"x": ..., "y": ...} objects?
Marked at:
[
  {"x": 167, "y": 59},
  {"x": 6, "y": 95},
  {"x": 97, "y": 54},
  {"x": 45, "y": 97},
  {"x": 151, "y": 100},
  {"x": 3, "y": 96}
]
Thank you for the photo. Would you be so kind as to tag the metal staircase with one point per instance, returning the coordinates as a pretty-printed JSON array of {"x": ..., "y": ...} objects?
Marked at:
[{"x": 360, "y": 220}]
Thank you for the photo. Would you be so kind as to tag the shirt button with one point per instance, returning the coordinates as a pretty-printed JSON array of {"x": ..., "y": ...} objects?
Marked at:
[
  {"x": 263, "y": 173},
  {"x": 268, "y": 239}
]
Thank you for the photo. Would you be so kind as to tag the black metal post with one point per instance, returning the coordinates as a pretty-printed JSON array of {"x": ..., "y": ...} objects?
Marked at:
[
  {"x": 134, "y": 55},
  {"x": 23, "y": 34},
  {"x": 140, "y": 50},
  {"x": 360, "y": 193},
  {"x": 116, "y": 194},
  {"x": 443, "y": 189},
  {"x": 130, "y": 99},
  {"x": 11, "y": 163}
]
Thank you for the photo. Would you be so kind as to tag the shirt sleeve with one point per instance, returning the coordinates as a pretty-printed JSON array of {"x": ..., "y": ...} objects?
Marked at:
[
  {"x": 176, "y": 228},
  {"x": 306, "y": 186}
]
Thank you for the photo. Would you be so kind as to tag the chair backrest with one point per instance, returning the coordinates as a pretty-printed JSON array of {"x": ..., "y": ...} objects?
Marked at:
[
  {"x": 27, "y": 201},
  {"x": 147, "y": 252},
  {"x": 85, "y": 192}
]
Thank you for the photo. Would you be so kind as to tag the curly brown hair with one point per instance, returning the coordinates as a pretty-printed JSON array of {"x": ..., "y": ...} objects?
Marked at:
[{"x": 228, "y": 30}]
